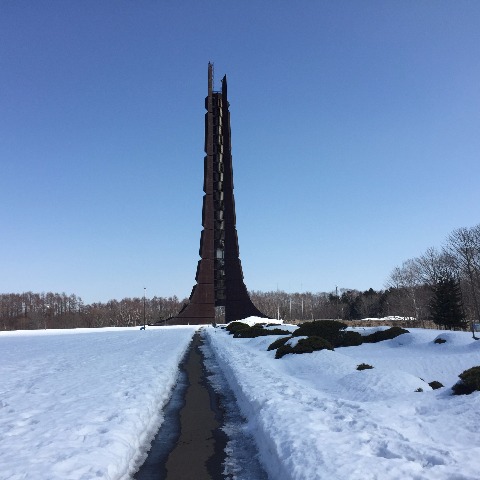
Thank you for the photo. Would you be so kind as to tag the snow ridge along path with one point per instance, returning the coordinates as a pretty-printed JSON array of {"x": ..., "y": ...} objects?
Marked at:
[
  {"x": 83, "y": 404},
  {"x": 314, "y": 416}
]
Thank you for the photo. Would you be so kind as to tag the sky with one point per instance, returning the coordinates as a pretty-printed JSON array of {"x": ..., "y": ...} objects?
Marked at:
[{"x": 355, "y": 139}]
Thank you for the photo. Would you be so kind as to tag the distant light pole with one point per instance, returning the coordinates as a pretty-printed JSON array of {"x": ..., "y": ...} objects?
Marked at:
[
  {"x": 144, "y": 292},
  {"x": 49, "y": 316},
  {"x": 336, "y": 298},
  {"x": 301, "y": 290}
]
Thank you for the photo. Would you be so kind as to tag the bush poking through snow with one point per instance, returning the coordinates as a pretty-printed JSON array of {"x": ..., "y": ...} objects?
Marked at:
[
  {"x": 469, "y": 382},
  {"x": 351, "y": 339},
  {"x": 305, "y": 345},
  {"x": 436, "y": 385},
  {"x": 236, "y": 326},
  {"x": 439, "y": 340},
  {"x": 312, "y": 344},
  {"x": 283, "y": 350},
  {"x": 249, "y": 332},
  {"x": 278, "y": 343},
  {"x": 419, "y": 390},
  {"x": 364, "y": 366},
  {"x": 330, "y": 330},
  {"x": 382, "y": 335},
  {"x": 276, "y": 331},
  {"x": 258, "y": 331}
]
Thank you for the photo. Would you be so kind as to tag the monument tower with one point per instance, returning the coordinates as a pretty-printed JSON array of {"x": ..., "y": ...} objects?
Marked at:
[{"x": 219, "y": 272}]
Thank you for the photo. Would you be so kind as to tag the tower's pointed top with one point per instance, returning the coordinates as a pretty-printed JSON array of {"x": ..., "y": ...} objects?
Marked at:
[
  {"x": 224, "y": 86},
  {"x": 210, "y": 78}
]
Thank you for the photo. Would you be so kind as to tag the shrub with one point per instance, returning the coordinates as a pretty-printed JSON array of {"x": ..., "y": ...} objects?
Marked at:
[
  {"x": 283, "y": 350},
  {"x": 364, "y": 366},
  {"x": 435, "y": 385},
  {"x": 382, "y": 335},
  {"x": 469, "y": 382},
  {"x": 305, "y": 345},
  {"x": 249, "y": 332},
  {"x": 351, "y": 339},
  {"x": 278, "y": 343},
  {"x": 312, "y": 344},
  {"x": 330, "y": 330},
  {"x": 419, "y": 390},
  {"x": 439, "y": 340},
  {"x": 236, "y": 326},
  {"x": 258, "y": 331},
  {"x": 277, "y": 331}
]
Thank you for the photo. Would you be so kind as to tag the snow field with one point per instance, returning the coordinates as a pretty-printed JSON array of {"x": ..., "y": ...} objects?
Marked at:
[
  {"x": 82, "y": 404},
  {"x": 314, "y": 416}
]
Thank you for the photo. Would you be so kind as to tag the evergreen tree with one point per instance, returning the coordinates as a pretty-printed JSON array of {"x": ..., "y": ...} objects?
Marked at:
[{"x": 446, "y": 306}]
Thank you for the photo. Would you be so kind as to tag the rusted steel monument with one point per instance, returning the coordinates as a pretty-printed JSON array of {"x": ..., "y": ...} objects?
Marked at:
[{"x": 219, "y": 272}]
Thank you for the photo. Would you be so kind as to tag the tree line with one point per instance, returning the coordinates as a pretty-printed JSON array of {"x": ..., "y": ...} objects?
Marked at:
[
  {"x": 32, "y": 311},
  {"x": 29, "y": 311},
  {"x": 442, "y": 285}
]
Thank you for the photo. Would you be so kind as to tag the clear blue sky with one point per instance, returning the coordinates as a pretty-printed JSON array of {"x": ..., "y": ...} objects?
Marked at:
[{"x": 355, "y": 133}]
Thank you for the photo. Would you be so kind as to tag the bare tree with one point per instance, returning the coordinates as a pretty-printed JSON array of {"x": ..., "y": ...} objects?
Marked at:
[
  {"x": 434, "y": 265},
  {"x": 463, "y": 245},
  {"x": 407, "y": 281}
]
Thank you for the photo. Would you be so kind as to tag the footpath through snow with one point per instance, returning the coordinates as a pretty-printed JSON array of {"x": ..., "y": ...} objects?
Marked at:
[
  {"x": 83, "y": 404},
  {"x": 314, "y": 416}
]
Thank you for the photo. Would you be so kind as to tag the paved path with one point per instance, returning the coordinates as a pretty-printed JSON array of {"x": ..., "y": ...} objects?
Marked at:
[{"x": 198, "y": 453}]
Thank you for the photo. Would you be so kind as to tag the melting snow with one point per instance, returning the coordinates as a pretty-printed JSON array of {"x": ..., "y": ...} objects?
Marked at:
[
  {"x": 83, "y": 404},
  {"x": 315, "y": 416}
]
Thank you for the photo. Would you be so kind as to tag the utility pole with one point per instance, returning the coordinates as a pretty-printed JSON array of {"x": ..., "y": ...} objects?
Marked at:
[
  {"x": 144, "y": 292},
  {"x": 336, "y": 297}
]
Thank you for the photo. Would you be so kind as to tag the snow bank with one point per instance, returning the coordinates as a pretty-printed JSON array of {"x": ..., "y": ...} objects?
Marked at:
[
  {"x": 314, "y": 416},
  {"x": 254, "y": 320},
  {"x": 83, "y": 404},
  {"x": 391, "y": 318}
]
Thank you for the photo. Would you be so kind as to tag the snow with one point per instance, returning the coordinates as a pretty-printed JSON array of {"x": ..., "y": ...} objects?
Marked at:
[
  {"x": 292, "y": 342},
  {"x": 254, "y": 320},
  {"x": 315, "y": 416},
  {"x": 241, "y": 462},
  {"x": 82, "y": 404},
  {"x": 391, "y": 318}
]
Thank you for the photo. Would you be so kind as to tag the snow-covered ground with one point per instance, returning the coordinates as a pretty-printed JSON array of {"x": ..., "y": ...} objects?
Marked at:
[
  {"x": 315, "y": 416},
  {"x": 81, "y": 404}
]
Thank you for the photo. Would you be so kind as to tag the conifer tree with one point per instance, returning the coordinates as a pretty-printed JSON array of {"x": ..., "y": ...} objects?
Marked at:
[{"x": 446, "y": 306}]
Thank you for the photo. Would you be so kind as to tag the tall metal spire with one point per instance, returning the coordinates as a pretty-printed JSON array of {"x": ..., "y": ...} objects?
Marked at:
[{"x": 219, "y": 278}]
